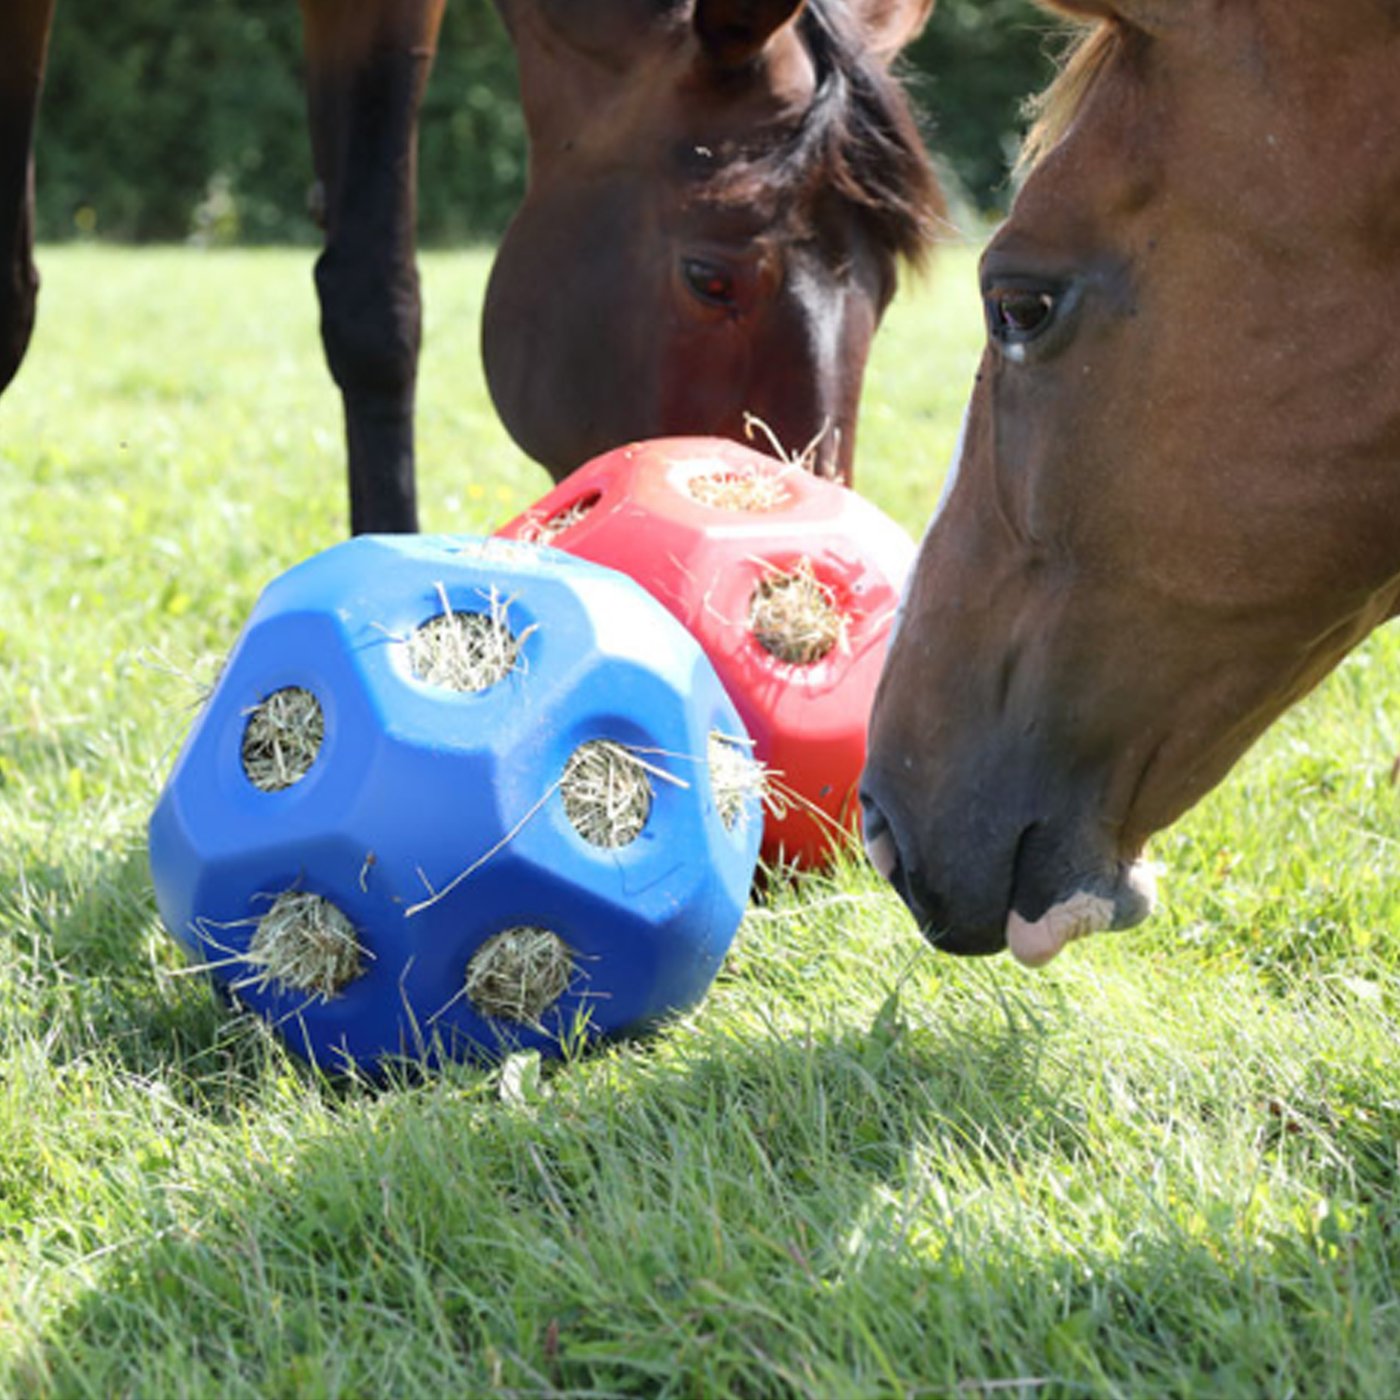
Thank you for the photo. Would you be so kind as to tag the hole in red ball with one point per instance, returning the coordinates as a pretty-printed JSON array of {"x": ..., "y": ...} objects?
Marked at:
[
  {"x": 741, "y": 488},
  {"x": 795, "y": 616},
  {"x": 547, "y": 530}
]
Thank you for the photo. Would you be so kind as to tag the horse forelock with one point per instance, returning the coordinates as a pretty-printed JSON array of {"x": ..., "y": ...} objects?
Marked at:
[
  {"x": 1053, "y": 112},
  {"x": 858, "y": 141}
]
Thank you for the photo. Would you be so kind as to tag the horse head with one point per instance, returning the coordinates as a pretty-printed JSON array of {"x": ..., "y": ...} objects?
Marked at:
[
  {"x": 719, "y": 193},
  {"x": 1176, "y": 502}
]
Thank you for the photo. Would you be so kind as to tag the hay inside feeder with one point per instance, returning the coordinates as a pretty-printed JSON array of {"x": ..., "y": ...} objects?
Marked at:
[
  {"x": 607, "y": 793},
  {"x": 304, "y": 943},
  {"x": 794, "y": 616},
  {"x": 465, "y": 651},
  {"x": 736, "y": 778},
  {"x": 548, "y": 530},
  {"x": 282, "y": 738},
  {"x": 740, "y": 488},
  {"x": 518, "y": 974}
]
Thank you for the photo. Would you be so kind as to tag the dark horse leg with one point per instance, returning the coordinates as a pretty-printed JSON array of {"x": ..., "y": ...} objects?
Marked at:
[
  {"x": 24, "y": 39},
  {"x": 367, "y": 64}
]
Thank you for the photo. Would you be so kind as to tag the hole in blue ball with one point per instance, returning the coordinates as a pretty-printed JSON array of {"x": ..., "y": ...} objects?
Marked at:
[{"x": 282, "y": 738}]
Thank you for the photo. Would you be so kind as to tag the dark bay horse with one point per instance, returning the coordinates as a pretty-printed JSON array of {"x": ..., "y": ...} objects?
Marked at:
[
  {"x": 719, "y": 194},
  {"x": 1176, "y": 504}
]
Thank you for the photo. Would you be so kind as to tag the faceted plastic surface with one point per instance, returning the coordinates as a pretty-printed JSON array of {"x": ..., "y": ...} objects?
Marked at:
[
  {"x": 643, "y": 509},
  {"x": 415, "y": 785}
]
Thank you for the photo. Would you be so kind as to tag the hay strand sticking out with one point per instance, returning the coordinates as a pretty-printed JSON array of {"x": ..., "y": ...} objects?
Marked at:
[
  {"x": 282, "y": 738},
  {"x": 304, "y": 943},
  {"x": 607, "y": 793},
  {"x": 465, "y": 651},
  {"x": 740, "y": 488},
  {"x": 806, "y": 459},
  {"x": 794, "y": 616},
  {"x": 736, "y": 779},
  {"x": 518, "y": 974},
  {"x": 548, "y": 530}
]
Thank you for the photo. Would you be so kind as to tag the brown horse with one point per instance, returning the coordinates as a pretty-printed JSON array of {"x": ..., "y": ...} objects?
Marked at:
[
  {"x": 719, "y": 193},
  {"x": 1177, "y": 500}
]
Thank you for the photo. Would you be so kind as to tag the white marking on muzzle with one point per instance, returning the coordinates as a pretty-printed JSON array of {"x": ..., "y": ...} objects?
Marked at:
[{"x": 1034, "y": 942}]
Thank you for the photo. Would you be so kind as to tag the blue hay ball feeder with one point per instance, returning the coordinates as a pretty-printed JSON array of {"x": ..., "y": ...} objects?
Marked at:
[{"x": 453, "y": 797}]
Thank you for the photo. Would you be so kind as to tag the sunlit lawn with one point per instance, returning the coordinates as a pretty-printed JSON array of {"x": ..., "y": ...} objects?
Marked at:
[{"x": 1165, "y": 1166}]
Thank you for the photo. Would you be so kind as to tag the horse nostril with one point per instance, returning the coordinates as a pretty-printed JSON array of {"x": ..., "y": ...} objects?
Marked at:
[
  {"x": 879, "y": 839},
  {"x": 883, "y": 849},
  {"x": 884, "y": 854}
]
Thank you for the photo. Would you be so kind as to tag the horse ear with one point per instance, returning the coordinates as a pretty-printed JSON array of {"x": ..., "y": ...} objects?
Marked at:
[
  {"x": 735, "y": 31},
  {"x": 889, "y": 25}
]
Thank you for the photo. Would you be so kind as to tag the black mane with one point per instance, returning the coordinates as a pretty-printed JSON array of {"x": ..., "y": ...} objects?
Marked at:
[
  {"x": 856, "y": 151},
  {"x": 861, "y": 138}
]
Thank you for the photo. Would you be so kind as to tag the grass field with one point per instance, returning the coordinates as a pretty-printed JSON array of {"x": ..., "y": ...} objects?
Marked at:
[{"x": 1165, "y": 1166}]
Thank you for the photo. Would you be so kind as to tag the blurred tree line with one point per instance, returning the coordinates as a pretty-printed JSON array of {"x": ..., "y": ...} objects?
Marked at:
[{"x": 177, "y": 119}]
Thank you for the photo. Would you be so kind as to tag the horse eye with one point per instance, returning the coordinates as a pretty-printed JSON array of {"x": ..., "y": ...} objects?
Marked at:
[
  {"x": 1018, "y": 315},
  {"x": 712, "y": 283}
]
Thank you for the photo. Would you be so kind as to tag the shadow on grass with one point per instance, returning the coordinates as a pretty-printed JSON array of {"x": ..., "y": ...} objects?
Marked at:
[
  {"x": 747, "y": 1221},
  {"x": 446, "y": 1184},
  {"x": 712, "y": 1215}
]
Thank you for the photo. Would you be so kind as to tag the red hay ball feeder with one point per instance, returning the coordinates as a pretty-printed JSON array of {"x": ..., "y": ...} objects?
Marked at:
[{"x": 789, "y": 581}]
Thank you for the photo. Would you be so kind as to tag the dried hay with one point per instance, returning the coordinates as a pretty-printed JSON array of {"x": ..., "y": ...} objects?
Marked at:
[
  {"x": 465, "y": 651},
  {"x": 282, "y": 738},
  {"x": 806, "y": 459},
  {"x": 607, "y": 796},
  {"x": 198, "y": 675},
  {"x": 736, "y": 778},
  {"x": 741, "y": 488},
  {"x": 546, "y": 531},
  {"x": 607, "y": 793},
  {"x": 794, "y": 616},
  {"x": 304, "y": 943},
  {"x": 518, "y": 974}
]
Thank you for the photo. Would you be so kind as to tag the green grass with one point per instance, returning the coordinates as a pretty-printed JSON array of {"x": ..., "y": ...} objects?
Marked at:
[{"x": 1165, "y": 1166}]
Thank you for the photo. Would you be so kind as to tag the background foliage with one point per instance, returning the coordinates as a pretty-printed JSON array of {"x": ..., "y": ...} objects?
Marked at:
[{"x": 175, "y": 119}]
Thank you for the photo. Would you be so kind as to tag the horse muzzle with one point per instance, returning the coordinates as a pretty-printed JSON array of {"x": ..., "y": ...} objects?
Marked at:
[{"x": 977, "y": 892}]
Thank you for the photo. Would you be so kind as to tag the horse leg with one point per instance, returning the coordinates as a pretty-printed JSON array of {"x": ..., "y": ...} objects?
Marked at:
[
  {"x": 24, "y": 41},
  {"x": 367, "y": 64}
]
